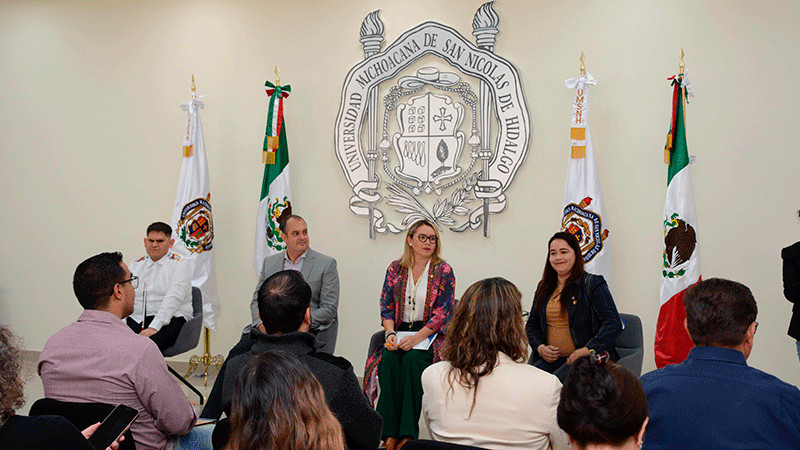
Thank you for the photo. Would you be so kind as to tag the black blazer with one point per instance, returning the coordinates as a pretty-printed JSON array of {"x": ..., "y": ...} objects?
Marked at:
[
  {"x": 593, "y": 318},
  {"x": 791, "y": 285}
]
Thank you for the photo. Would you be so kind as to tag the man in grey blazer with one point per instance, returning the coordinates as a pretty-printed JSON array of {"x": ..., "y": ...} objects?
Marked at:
[{"x": 318, "y": 270}]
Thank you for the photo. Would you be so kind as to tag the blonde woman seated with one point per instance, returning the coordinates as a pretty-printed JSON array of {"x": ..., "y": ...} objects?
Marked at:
[
  {"x": 484, "y": 394},
  {"x": 278, "y": 404},
  {"x": 603, "y": 406}
]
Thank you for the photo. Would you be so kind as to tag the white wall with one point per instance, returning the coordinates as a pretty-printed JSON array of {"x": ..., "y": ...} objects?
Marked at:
[{"x": 90, "y": 136}]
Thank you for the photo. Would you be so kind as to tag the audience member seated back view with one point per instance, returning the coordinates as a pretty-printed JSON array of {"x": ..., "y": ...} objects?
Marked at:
[
  {"x": 99, "y": 359},
  {"x": 602, "y": 405},
  {"x": 20, "y": 432},
  {"x": 714, "y": 398},
  {"x": 484, "y": 394},
  {"x": 278, "y": 404},
  {"x": 283, "y": 305},
  {"x": 164, "y": 296}
]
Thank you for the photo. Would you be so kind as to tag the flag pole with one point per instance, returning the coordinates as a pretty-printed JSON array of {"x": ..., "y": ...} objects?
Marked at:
[
  {"x": 682, "y": 65},
  {"x": 206, "y": 359},
  {"x": 583, "y": 65}
]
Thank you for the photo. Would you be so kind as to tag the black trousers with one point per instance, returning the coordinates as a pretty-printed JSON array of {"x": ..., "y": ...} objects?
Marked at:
[{"x": 166, "y": 336}]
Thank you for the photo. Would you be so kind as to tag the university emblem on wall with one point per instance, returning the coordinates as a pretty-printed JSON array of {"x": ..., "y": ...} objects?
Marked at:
[
  {"x": 586, "y": 225},
  {"x": 432, "y": 127},
  {"x": 196, "y": 228}
]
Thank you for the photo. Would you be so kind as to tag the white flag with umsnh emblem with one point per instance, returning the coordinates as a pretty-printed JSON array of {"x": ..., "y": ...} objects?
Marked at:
[
  {"x": 191, "y": 217},
  {"x": 582, "y": 214}
]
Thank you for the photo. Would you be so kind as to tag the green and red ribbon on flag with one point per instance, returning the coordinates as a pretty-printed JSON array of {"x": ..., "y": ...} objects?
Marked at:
[{"x": 275, "y": 132}]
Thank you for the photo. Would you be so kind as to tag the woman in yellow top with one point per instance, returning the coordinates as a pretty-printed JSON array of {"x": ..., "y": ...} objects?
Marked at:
[{"x": 573, "y": 311}]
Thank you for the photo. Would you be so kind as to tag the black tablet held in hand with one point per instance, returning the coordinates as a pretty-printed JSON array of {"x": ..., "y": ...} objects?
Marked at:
[{"x": 113, "y": 426}]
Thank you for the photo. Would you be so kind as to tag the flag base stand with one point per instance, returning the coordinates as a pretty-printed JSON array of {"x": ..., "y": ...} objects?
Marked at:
[{"x": 206, "y": 360}]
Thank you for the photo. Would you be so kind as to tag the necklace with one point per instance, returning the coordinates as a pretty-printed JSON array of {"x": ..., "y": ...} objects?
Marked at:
[{"x": 411, "y": 299}]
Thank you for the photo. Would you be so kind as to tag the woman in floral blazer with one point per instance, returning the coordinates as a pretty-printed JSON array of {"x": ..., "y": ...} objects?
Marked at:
[{"x": 417, "y": 301}]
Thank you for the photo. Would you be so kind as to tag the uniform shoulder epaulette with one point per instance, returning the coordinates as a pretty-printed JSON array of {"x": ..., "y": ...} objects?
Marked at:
[
  {"x": 141, "y": 259},
  {"x": 175, "y": 256}
]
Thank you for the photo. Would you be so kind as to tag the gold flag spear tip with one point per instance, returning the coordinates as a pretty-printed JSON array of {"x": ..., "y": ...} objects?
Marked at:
[
  {"x": 277, "y": 76},
  {"x": 194, "y": 88},
  {"x": 583, "y": 65},
  {"x": 682, "y": 65}
]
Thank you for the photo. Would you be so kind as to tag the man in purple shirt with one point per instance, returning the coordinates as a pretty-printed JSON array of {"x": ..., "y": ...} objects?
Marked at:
[{"x": 99, "y": 359}]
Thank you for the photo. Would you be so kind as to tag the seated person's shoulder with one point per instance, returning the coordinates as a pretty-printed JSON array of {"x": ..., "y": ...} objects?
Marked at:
[
  {"x": 338, "y": 361},
  {"x": 328, "y": 260},
  {"x": 791, "y": 251},
  {"x": 657, "y": 376}
]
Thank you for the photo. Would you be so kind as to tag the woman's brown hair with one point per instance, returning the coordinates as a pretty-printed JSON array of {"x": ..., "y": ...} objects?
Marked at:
[
  {"x": 11, "y": 384},
  {"x": 549, "y": 280},
  {"x": 279, "y": 404},
  {"x": 487, "y": 320}
]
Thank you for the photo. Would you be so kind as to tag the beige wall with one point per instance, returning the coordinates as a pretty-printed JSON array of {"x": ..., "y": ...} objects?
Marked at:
[{"x": 90, "y": 135}]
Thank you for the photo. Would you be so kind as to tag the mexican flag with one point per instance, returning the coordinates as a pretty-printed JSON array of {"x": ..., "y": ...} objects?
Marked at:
[
  {"x": 276, "y": 193},
  {"x": 582, "y": 215},
  {"x": 192, "y": 221},
  {"x": 681, "y": 257}
]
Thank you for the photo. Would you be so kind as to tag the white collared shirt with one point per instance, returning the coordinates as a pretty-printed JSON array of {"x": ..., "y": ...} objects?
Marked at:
[
  {"x": 289, "y": 265},
  {"x": 415, "y": 297},
  {"x": 167, "y": 285}
]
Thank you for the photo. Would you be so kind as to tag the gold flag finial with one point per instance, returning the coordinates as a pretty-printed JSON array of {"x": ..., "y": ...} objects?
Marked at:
[
  {"x": 682, "y": 65},
  {"x": 194, "y": 88},
  {"x": 277, "y": 76},
  {"x": 583, "y": 65}
]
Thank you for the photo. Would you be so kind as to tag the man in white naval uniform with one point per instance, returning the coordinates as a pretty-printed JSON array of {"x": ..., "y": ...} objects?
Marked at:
[{"x": 164, "y": 296}]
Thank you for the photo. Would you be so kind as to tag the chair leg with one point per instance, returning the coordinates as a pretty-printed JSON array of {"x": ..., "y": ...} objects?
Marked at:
[{"x": 183, "y": 380}]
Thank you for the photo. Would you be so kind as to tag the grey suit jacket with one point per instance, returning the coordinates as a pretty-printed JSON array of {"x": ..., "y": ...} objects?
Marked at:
[{"x": 320, "y": 273}]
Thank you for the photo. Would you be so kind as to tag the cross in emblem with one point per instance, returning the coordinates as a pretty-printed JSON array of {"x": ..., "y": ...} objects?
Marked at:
[{"x": 441, "y": 118}]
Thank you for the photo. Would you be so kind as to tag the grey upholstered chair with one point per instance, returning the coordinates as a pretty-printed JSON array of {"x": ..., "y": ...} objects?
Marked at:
[
  {"x": 189, "y": 337},
  {"x": 630, "y": 344}
]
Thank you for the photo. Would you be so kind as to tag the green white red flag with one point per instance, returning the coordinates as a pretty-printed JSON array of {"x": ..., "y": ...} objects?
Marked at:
[
  {"x": 582, "y": 215},
  {"x": 276, "y": 193},
  {"x": 681, "y": 257},
  {"x": 192, "y": 221}
]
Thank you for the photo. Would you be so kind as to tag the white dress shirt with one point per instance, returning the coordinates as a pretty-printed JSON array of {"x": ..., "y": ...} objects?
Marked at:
[
  {"x": 414, "y": 310},
  {"x": 167, "y": 285},
  {"x": 289, "y": 265}
]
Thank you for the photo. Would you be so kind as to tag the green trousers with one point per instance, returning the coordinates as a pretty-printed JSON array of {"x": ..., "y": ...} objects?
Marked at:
[{"x": 400, "y": 401}]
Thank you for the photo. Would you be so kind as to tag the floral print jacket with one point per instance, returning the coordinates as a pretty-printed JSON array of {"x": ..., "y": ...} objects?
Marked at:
[{"x": 439, "y": 304}]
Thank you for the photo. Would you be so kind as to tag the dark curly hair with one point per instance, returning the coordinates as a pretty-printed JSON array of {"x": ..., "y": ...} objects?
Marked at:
[
  {"x": 601, "y": 403},
  {"x": 11, "y": 384}
]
